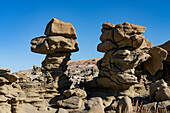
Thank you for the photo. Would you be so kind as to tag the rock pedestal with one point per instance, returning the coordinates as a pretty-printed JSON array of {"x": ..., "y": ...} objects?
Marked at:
[{"x": 58, "y": 45}]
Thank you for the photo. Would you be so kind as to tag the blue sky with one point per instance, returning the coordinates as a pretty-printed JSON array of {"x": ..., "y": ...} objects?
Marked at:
[{"x": 23, "y": 20}]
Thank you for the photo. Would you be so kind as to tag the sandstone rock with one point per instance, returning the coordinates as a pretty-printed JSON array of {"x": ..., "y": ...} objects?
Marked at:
[
  {"x": 107, "y": 35},
  {"x": 154, "y": 87},
  {"x": 5, "y": 108},
  {"x": 164, "y": 106},
  {"x": 76, "y": 92},
  {"x": 95, "y": 105},
  {"x": 108, "y": 26},
  {"x": 52, "y": 44},
  {"x": 56, "y": 62},
  {"x": 106, "y": 46},
  {"x": 3, "y": 80},
  {"x": 117, "y": 68},
  {"x": 163, "y": 94},
  {"x": 108, "y": 101},
  {"x": 150, "y": 107},
  {"x": 3, "y": 98},
  {"x": 57, "y": 27},
  {"x": 61, "y": 110},
  {"x": 166, "y": 46},
  {"x": 125, "y": 105},
  {"x": 73, "y": 102},
  {"x": 155, "y": 62}
]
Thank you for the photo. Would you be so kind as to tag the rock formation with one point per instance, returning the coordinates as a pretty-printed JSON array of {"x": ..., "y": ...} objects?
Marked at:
[
  {"x": 126, "y": 49},
  {"x": 132, "y": 77},
  {"x": 58, "y": 45}
]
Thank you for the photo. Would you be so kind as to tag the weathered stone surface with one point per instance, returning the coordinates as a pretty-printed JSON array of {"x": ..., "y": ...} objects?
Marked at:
[
  {"x": 61, "y": 110},
  {"x": 164, "y": 106},
  {"x": 57, "y": 27},
  {"x": 163, "y": 94},
  {"x": 73, "y": 102},
  {"x": 95, "y": 105},
  {"x": 125, "y": 105},
  {"x": 56, "y": 62},
  {"x": 166, "y": 46},
  {"x": 52, "y": 44},
  {"x": 106, "y": 46},
  {"x": 108, "y": 101},
  {"x": 5, "y": 108},
  {"x": 108, "y": 26},
  {"x": 155, "y": 62},
  {"x": 154, "y": 87},
  {"x": 3, "y": 80},
  {"x": 76, "y": 92},
  {"x": 151, "y": 107},
  {"x": 117, "y": 68},
  {"x": 8, "y": 76}
]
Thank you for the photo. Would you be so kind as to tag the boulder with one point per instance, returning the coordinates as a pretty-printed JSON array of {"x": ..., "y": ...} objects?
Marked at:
[
  {"x": 125, "y": 105},
  {"x": 57, "y": 27},
  {"x": 73, "y": 102},
  {"x": 163, "y": 106},
  {"x": 52, "y": 44},
  {"x": 154, "y": 87},
  {"x": 94, "y": 105},
  {"x": 151, "y": 107},
  {"x": 163, "y": 94},
  {"x": 155, "y": 62}
]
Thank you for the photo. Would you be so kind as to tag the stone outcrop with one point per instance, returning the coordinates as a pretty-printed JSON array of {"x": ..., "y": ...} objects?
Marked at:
[
  {"x": 125, "y": 48},
  {"x": 132, "y": 77},
  {"x": 58, "y": 45}
]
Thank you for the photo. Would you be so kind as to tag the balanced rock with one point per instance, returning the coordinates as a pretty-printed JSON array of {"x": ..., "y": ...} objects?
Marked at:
[
  {"x": 57, "y": 27},
  {"x": 58, "y": 45}
]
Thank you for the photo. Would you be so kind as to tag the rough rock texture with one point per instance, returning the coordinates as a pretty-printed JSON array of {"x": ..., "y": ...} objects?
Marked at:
[
  {"x": 125, "y": 49},
  {"x": 132, "y": 77},
  {"x": 56, "y": 27},
  {"x": 58, "y": 45},
  {"x": 125, "y": 105}
]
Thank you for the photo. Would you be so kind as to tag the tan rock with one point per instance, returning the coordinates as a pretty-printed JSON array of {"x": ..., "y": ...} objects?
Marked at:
[
  {"x": 95, "y": 105},
  {"x": 57, "y": 27},
  {"x": 68, "y": 93},
  {"x": 3, "y": 98},
  {"x": 163, "y": 106},
  {"x": 108, "y": 101},
  {"x": 125, "y": 104},
  {"x": 163, "y": 94},
  {"x": 155, "y": 62},
  {"x": 3, "y": 80},
  {"x": 5, "y": 108},
  {"x": 151, "y": 107},
  {"x": 73, "y": 102},
  {"x": 108, "y": 26},
  {"x": 61, "y": 110},
  {"x": 107, "y": 35},
  {"x": 166, "y": 46},
  {"x": 106, "y": 46},
  {"x": 154, "y": 87},
  {"x": 52, "y": 44}
]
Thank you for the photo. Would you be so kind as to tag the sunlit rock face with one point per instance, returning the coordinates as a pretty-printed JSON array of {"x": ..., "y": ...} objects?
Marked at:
[
  {"x": 58, "y": 44},
  {"x": 126, "y": 48}
]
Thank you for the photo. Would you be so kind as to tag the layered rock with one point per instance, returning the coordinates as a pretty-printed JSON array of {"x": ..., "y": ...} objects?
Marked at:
[
  {"x": 58, "y": 45},
  {"x": 125, "y": 48}
]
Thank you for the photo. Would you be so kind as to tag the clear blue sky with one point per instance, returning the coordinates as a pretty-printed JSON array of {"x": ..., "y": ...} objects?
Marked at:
[{"x": 22, "y": 20}]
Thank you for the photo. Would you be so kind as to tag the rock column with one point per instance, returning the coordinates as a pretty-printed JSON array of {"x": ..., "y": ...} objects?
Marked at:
[
  {"x": 58, "y": 44},
  {"x": 125, "y": 48}
]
